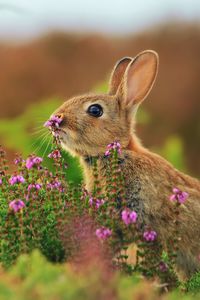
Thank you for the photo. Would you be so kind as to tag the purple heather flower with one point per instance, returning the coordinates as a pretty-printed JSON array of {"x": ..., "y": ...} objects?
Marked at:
[
  {"x": 55, "y": 185},
  {"x": 18, "y": 160},
  {"x": 178, "y": 196},
  {"x": 115, "y": 145},
  {"x": 129, "y": 217},
  {"x": 16, "y": 205},
  {"x": 91, "y": 200},
  {"x": 150, "y": 235},
  {"x": 107, "y": 153},
  {"x": 16, "y": 179},
  {"x": 34, "y": 186},
  {"x": 53, "y": 122},
  {"x": 163, "y": 267},
  {"x": 31, "y": 187},
  {"x": 97, "y": 202},
  {"x": 33, "y": 161},
  {"x": 103, "y": 233},
  {"x": 1, "y": 181},
  {"x": 55, "y": 154}
]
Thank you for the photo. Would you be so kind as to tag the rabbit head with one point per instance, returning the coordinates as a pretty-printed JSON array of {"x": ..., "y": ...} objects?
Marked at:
[{"x": 90, "y": 122}]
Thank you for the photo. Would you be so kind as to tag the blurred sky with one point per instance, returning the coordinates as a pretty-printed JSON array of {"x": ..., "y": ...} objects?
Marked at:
[{"x": 26, "y": 18}]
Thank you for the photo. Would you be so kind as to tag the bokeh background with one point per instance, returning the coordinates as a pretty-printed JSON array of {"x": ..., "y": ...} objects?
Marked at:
[{"x": 52, "y": 50}]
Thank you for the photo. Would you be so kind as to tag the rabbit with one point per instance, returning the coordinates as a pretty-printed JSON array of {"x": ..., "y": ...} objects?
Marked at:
[{"x": 90, "y": 122}]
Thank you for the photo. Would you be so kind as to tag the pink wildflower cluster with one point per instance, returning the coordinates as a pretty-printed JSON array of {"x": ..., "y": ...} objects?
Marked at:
[
  {"x": 150, "y": 235},
  {"x": 113, "y": 146},
  {"x": 16, "y": 205},
  {"x": 34, "y": 186},
  {"x": 129, "y": 217},
  {"x": 16, "y": 179},
  {"x": 18, "y": 160},
  {"x": 31, "y": 188},
  {"x": 53, "y": 125},
  {"x": 178, "y": 196},
  {"x": 103, "y": 233},
  {"x": 1, "y": 181},
  {"x": 96, "y": 202},
  {"x": 55, "y": 185},
  {"x": 33, "y": 161},
  {"x": 55, "y": 154},
  {"x": 53, "y": 122}
]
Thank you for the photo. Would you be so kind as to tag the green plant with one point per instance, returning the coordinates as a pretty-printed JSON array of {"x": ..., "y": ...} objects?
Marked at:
[
  {"x": 41, "y": 209},
  {"x": 193, "y": 285}
]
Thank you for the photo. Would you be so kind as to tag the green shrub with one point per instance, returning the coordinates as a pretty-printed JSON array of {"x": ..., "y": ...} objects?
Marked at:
[
  {"x": 40, "y": 209},
  {"x": 193, "y": 285}
]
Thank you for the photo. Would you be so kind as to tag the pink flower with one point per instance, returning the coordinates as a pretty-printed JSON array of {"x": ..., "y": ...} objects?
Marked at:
[
  {"x": 99, "y": 202},
  {"x": 96, "y": 202},
  {"x": 178, "y": 196},
  {"x": 163, "y": 266},
  {"x": 55, "y": 184},
  {"x": 91, "y": 201},
  {"x": 16, "y": 179},
  {"x": 129, "y": 217},
  {"x": 18, "y": 160},
  {"x": 16, "y": 205},
  {"x": 115, "y": 145},
  {"x": 53, "y": 122},
  {"x": 34, "y": 186},
  {"x": 55, "y": 154},
  {"x": 107, "y": 153},
  {"x": 1, "y": 181},
  {"x": 33, "y": 161},
  {"x": 103, "y": 233},
  {"x": 150, "y": 235}
]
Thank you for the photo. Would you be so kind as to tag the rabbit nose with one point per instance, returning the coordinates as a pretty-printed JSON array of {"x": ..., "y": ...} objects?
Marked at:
[{"x": 60, "y": 116}]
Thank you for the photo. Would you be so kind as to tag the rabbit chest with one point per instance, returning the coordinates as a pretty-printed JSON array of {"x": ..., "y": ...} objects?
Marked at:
[{"x": 138, "y": 187}]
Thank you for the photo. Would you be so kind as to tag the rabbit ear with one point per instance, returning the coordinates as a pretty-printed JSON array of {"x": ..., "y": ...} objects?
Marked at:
[
  {"x": 117, "y": 74},
  {"x": 139, "y": 78}
]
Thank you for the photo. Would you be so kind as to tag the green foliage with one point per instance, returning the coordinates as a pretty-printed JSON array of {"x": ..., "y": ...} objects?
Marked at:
[
  {"x": 173, "y": 151},
  {"x": 48, "y": 209},
  {"x": 193, "y": 285},
  {"x": 33, "y": 277}
]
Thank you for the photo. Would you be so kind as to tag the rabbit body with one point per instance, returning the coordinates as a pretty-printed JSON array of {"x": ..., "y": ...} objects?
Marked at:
[
  {"x": 91, "y": 122},
  {"x": 149, "y": 180}
]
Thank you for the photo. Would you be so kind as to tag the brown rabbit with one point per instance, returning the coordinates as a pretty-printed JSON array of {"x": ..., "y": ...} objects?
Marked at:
[{"x": 90, "y": 122}]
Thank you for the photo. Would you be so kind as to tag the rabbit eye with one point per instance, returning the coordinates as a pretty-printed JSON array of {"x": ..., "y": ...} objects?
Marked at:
[{"x": 95, "y": 110}]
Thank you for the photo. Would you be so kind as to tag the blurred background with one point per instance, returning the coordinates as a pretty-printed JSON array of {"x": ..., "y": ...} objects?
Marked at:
[{"x": 52, "y": 50}]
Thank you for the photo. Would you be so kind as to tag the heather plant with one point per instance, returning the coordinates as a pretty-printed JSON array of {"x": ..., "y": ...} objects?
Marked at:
[{"x": 40, "y": 209}]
